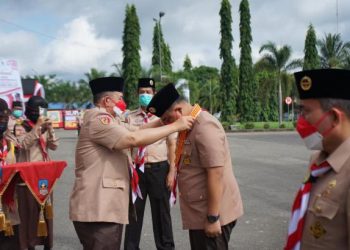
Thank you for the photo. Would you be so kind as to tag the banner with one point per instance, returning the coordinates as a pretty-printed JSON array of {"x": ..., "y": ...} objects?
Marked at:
[
  {"x": 71, "y": 119},
  {"x": 56, "y": 117},
  {"x": 41, "y": 177},
  {"x": 10, "y": 81}
]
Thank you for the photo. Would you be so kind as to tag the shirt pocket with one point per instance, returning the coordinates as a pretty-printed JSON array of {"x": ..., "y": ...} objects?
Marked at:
[
  {"x": 196, "y": 196},
  {"x": 113, "y": 183},
  {"x": 325, "y": 208}
]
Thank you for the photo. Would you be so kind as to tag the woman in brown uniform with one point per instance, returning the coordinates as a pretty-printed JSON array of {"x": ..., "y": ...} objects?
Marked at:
[
  {"x": 33, "y": 146},
  {"x": 8, "y": 237}
]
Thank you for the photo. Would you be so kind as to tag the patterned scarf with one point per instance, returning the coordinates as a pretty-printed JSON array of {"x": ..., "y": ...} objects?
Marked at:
[
  {"x": 179, "y": 148},
  {"x": 3, "y": 155},
  {"x": 300, "y": 205}
]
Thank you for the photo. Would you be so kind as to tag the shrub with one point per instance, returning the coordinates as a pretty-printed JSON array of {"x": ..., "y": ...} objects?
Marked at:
[
  {"x": 283, "y": 125},
  {"x": 225, "y": 125},
  {"x": 249, "y": 125},
  {"x": 266, "y": 125}
]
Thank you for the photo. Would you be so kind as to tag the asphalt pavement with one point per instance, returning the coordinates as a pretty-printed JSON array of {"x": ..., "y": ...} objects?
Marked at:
[{"x": 269, "y": 167}]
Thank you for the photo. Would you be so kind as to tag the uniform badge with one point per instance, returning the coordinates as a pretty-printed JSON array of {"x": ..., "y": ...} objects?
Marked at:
[
  {"x": 187, "y": 160},
  {"x": 317, "y": 230},
  {"x": 187, "y": 142},
  {"x": 43, "y": 186},
  {"x": 151, "y": 82},
  {"x": 305, "y": 83},
  {"x": 104, "y": 119},
  {"x": 332, "y": 184}
]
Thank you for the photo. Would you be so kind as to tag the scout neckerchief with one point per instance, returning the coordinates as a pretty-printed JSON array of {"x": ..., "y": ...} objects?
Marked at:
[
  {"x": 300, "y": 205},
  {"x": 179, "y": 148},
  {"x": 42, "y": 142},
  {"x": 3, "y": 155},
  {"x": 140, "y": 157}
]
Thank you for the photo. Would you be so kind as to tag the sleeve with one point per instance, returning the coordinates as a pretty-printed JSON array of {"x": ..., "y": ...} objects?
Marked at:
[
  {"x": 105, "y": 131},
  {"x": 210, "y": 144}
]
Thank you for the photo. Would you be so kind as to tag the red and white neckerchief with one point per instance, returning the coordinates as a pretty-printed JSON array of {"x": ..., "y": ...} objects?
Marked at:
[
  {"x": 42, "y": 143},
  {"x": 296, "y": 223},
  {"x": 140, "y": 156},
  {"x": 134, "y": 182},
  {"x": 3, "y": 155},
  {"x": 178, "y": 152}
]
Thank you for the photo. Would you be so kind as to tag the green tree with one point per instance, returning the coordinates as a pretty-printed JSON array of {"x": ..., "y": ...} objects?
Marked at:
[
  {"x": 333, "y": 51},
  {"x": 187, "y": 65},
  {"x": 167, "y": 65},
  {"x": 131, "y": 65},
  {"x": 279, "y": 59},
  {"x": 246, "y": 100},
  {"x": 228, "y": 81},
  {"x": 311, "y": 57}
]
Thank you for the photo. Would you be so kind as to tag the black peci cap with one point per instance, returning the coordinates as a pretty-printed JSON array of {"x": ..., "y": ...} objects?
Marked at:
[
  {"x": 104, "y": 84},
  {"x": 146, "y": 83},
  {"x": 36, "y": 101},
  {"x": 323, "y": 83},
  {"x": 4, "y": 108},
  {"x": 163, "y": 100}
]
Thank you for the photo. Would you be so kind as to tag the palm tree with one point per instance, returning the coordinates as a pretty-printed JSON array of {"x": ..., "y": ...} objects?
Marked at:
[
  {"x": 279, "y": 60},
  {"x": 209, "y": 96},
  {"x": 333, "y": 51}
]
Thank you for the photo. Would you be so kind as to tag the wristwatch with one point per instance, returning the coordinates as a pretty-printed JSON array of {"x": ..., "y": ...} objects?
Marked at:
[{"x": 213, "y": 218}]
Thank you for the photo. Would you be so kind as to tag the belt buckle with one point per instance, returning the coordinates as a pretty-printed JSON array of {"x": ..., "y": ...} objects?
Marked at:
[{"x": 147, "y": 165}]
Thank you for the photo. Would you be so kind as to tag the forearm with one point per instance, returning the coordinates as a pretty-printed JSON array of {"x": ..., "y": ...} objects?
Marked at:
[
  {"x": 155, "y": 124},
  {"x": 215, "y": 189},
  {"x": 145, "y": 136},
  {"x": 171, "y": 155}
]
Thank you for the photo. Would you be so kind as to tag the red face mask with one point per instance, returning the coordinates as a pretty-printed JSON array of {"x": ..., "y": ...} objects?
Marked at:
[{"x": 121, "y": 105}]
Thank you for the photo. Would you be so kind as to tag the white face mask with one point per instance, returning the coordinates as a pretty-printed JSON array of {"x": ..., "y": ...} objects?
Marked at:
[
  {"x": 117, "y": 111},
  {"x": 314, "y": 141}
]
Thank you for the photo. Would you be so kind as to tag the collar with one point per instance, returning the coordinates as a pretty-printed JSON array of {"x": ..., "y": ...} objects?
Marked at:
[{"x": 338, "y": 158}]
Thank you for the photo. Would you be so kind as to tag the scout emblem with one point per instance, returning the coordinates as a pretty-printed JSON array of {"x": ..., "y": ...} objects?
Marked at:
[
  {"x": 187, "y": 160},
  {"x": 305, "y": 83},
  {"x": 151, "y": 82},
  {"x": 332, "y": 184},
  {"x": 317, "y": 230},
  {"x": 105, "y": 120},
  {"x": 43, "y": 186}
]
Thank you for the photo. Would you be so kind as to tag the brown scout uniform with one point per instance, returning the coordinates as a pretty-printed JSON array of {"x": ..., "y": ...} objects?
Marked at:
[
  {"x": 157, "y": 151},
  {"x": 10, "y": 242},
  {"x": 101, "y": 188},
  {"x": 206, "y": 146},
  {"x": 29, "y": 150},
  {"x": 327, "y": 224}
]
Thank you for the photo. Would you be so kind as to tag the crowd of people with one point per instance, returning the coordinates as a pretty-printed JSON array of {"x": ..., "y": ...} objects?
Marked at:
[{"x": 168, "y": 150}]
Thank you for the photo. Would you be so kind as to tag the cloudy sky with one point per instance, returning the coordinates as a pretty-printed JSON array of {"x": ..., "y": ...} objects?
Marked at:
[{"x": 67, "y": 38}]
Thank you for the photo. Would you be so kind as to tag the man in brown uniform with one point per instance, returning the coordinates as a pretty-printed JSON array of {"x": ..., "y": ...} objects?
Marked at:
[
  {"x": 16, "y": 116},
  {"x": 33, "y": 146},
  {"x": 100, "y": 198},
  {"x": 210, "y": 200},
  {"x": 153, "y": 168},
  {"x": 8, "y": 241},
  {"x": 321, "y": 210}
]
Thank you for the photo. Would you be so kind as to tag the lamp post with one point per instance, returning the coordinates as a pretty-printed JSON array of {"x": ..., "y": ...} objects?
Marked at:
[{"x": 158, "y": 22}]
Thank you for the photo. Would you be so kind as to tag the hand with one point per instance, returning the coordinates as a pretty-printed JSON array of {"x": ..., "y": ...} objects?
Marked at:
[
  {"x": 184, "y": 122},
  {"x": 212, "y": 230},
  {"x": 170, "y": 178}
]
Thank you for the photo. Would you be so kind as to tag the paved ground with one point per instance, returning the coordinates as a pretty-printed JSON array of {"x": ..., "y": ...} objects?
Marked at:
[{"x": 268, "y": 167}]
